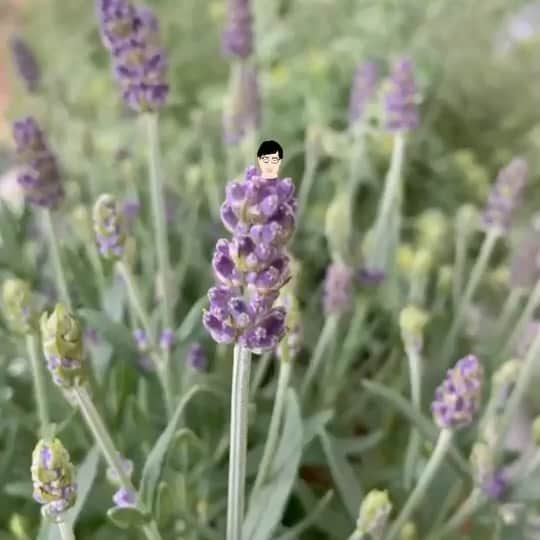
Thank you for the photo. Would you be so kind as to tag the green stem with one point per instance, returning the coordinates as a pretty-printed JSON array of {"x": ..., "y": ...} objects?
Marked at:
[
  {"x": 507, "y": 313},
  {"x": 56, "y": 260},
  {"x": 524, "y": 380},
  {"x": 157, "y": 196},
  {"x": 390, "y": 201},
  {"x": 419, "y": 492},
  {"x": 469, "y": 507},
  {"x": 318, "y": 355},
  {"x": 415, "y": 373},
  {"x": 40, "y": 388},
  {"x": 310, "y": 168},
  {"x": 260, "y": 372},
  {"x": 109, "y": 451},
  {"x": 476, "y": 275},
  {"x": 359, "y": 160},
  {"x": 66, "y": 531},
  {"x": 285, "y": 367},
  {"x": 238, "y": 442},
  {"x": 462, "y": 242},
  {"x": 526, "y": 316},
  {"x": 160, "y": 363}
]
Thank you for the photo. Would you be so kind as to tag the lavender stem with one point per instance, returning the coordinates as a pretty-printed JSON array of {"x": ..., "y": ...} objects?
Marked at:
[
  {"x": 508, "y": 312},
  {"x": 285, "y": 368},
  {"x": 416, "y": 497},
  {"x": 66, "y": 531},
  {"x": 40, "y": 389},
  {"x": 56, "y": 260},
  {"x": 476, "y": 275},
  {"x": 238, "y": 442}
]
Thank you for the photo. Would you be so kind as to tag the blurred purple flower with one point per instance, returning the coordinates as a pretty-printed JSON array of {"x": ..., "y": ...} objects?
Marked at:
[
  {"x": 363, "y": 89},
  {"x": 494, "y": 485},
  {"x": 505, "y": 196},
  {"x": 166, "y": 340},
  {"x": 524, "y": 268},
  {"x": 401, "y": 98},
  {"x": 25, "y": 62},
  {"x": 237, "y": 38},
  {"x": 337, "y": 289},
  {"x": 39, "y": 176},
  {"x": 370, "y": 276},
  {"x": 457, "y": 399},
  {"x": 195, "y": 357},
  {"x": 252, "y": 266},
  {"x": 140, "y": 65},
  {"x": 124, "y": 498}
]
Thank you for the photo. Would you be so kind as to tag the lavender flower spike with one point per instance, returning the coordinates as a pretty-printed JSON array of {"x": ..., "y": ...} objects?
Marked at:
[
  {"x": 400, "y": 99},
  {"x": 26, "y": 63},
  {"x": 108, "y": 226},
  {"x": 237, "y": 38},
  {"x": 140, "y": 65},
  {"x": 457, "y": 399},
  {"x": 505, "y": 196},
  {"x": 338, "y": 289},
  {"x": 39, "y": 177},
  {"x": 362, "y": 90},
  {"x": 252, "y": 267}
]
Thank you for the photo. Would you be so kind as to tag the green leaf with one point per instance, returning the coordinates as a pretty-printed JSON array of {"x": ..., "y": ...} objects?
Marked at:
[
  {"x": 314, "y": 424},
  {"x": 113, "y": 332},
  {"x": 127, "y": 517},
  {"x": 426, "y": 428},
  {"x": 193, "y": 318},
  {"x": 154, "y": 462},
  {"x": 263, "y": 518},
  {"x": 19, "y": 489},
  {"x": 357, "y": 445},
  {"x": 344, "y": 475}
]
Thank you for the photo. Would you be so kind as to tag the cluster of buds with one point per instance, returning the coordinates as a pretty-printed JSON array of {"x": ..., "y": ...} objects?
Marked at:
[
  {"x": 196, "y": 358},
  {"x": 25, "y": 62},
  {"x": 505, "y": 196},
  {"x": 491, "y": 481},
  {"x": 363, "y": 90},
  {"x": 400, "y": 98},
  {"x": 108, "y": 226},
  {"x": 237, "y": 38},
  {"x": 123, "y": 497},
  {"x": 374, "y": 513},
  {"x": 252, "y": 267},
  {"x": 131, "y": 34},
  {"x": 457, "y": 399},
  {"x": 338, "y": 285},
  {"x": 19, "y": 309},
  {"x": 39, "y": 177},
  {"x": 53, "y": 479},
  {"x": 62, "y": 339},
  {"x": 412, "y": 321}
]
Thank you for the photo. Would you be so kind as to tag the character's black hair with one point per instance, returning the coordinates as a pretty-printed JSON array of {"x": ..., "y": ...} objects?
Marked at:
[{"x": 270, "y": 147}]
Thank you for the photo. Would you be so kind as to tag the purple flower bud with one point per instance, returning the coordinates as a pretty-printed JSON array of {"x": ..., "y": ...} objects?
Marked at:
[
  {"x": 252, "y": 266},
  {"x": 167, "y": 339},
  {"x": 131, "y": 209},
  {"x": 39, "y": 176},
  {"x": 25, "y": 63},
  {"x": 457, "y": 399},
  {"x": 524, "y": 268},
  {"x": 124, "y": 498},
  {"x": 141, "y": 339},
  {"x": 195, "y": 357},
  {"x": 140, "y": 65},
  {"x": 362, "y": 90},
  {"x": 370, "y": 276},
  {"x": 505, "y": 196},
  {"x": 400, "y": 98},
  {"x": 337, "y": 289},
  {"x": 237, "y": 38},
  {"x": 494, "y": 486}
]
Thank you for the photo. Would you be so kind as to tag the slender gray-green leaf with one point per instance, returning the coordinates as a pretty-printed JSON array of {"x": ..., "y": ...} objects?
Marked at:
[
  {"x": 424, "y": 426},
  {"x": 115, "y": 299},
  {"x": 154, "y": 462},
  {"x": 267, "y": 505},
  {"x": 128, "y": 517},
  {"x": 314, "y": 424},
  {"x": 344, "y": 475},
  {"x": 191, "y": 319}
]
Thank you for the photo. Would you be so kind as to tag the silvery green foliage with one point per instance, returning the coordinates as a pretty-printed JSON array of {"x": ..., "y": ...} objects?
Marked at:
[{"x": 472, "y": 114}]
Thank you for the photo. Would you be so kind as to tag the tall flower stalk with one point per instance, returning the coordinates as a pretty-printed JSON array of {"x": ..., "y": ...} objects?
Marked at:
[
  {"x": 40, "y": 181},
  {"x": 401, "y": 117},
  {"x": 457, "y": 401},
  {"x": 61, "y": 335},
  {"x": 250, "y": 270},
  {"x": 495, "y": 223}
]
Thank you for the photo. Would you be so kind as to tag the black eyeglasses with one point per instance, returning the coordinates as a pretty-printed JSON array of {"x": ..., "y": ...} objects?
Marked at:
[{"x": 274, "y": 160}]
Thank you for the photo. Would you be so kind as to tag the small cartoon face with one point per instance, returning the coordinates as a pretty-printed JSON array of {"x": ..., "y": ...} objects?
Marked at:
[{"x": 269, "y": 165}]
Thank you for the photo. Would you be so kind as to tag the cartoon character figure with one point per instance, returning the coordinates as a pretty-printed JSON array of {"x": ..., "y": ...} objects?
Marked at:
[{"x": 269, "y": 156}]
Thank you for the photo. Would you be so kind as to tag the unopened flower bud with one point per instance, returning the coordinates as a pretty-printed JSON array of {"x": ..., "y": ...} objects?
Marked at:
[
  {"x": 19, "y": 309},
  {"x": 374, "y": 513},
  {"x": 432, "y": 227},
  {"x": 405, "y": 258},
  {"x": 62, "y": 339},
  {"x": 412, "y": 321},
  {"x": 108, "y": 226}
]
